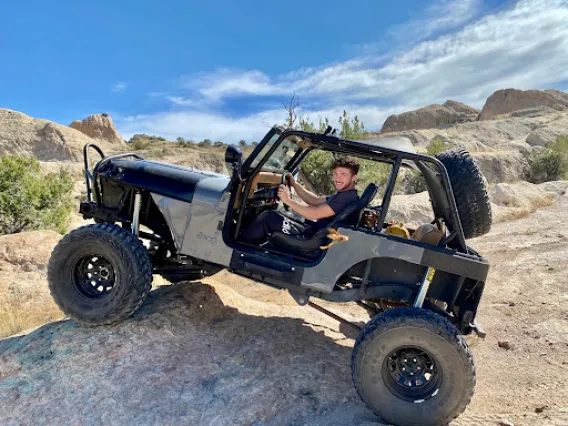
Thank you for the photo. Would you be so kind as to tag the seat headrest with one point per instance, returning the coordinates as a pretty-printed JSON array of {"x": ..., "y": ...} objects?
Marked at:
[
  {"x": 356, "y": 208},
  {"x": 368, "y": 194}
]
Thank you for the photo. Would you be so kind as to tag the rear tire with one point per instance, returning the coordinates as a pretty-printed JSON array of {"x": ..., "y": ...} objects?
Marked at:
[
  {"x": 99, "y": 274},
  {"x": 413, "y": 368},
  {"x": 470, "y": 192}
]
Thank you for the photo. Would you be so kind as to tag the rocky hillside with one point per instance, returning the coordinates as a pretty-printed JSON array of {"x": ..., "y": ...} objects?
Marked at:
[
  {"x": 503, "y": 140},
  {"x": 502, "y": 136},
  {"x": 46, "y": 140}
]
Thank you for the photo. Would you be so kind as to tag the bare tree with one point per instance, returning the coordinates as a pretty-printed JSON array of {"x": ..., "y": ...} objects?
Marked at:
[{"x": 290, "y": 108}]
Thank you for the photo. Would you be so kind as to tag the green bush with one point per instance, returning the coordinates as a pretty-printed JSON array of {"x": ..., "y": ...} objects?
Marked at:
[
  {"x": 413, "y": 182},
  {"x": 30, "y": 200},
  {"x": 437, "y": 145},
  {"x": 205, "y": 143},
  {"x": 549, "y": 163}
]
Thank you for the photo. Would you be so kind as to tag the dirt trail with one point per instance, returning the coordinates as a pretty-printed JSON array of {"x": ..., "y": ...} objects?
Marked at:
[{"x": 526, "y": 305}]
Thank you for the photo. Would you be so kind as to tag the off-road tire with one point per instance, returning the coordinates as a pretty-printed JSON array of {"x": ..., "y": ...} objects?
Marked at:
[
  {"x": 131, "y": 272},
  {"x": 454, "y": 379},
  {"x": 470, "y": 191}
]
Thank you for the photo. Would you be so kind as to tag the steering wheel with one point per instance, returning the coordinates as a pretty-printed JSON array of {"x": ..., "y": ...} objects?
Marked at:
[{"x": 286, "y": 183}]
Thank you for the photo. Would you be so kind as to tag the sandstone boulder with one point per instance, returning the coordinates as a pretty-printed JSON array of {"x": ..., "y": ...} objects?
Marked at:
[
  {"x": 429, "y": 117},
  {"x": 100, "y": 127},
  {"x": 529, "y": 112},
  {"x": 44, "y": 139},
  {"x": 461, "y": 107},
  {"x": 510, "y": 100},
  {"x": 412, "y": 210},
  {"x": 502, "y": 166},
  {"x": 550, "y": 131}
]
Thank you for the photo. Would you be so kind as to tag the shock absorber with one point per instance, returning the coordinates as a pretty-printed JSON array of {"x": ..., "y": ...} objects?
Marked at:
[{"x": 136, "y": 213}]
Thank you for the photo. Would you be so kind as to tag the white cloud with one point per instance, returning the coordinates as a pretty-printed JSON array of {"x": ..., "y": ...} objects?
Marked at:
[
  {"x": 224, "y": 83},
  {"x": 181, "y": 101},
  {"x": 442, "y": 15},
  {"x": 524, "y": 47},
  {"x": 119, "y": 87},
  {"x": 197, "y": 125}
]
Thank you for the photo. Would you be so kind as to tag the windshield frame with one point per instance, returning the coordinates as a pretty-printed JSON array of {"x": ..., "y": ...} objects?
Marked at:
[{"x": 272, "y": 141}]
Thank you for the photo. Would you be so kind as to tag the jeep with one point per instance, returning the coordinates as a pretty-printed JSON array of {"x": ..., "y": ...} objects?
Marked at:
[{"x": 421, "y": 285}]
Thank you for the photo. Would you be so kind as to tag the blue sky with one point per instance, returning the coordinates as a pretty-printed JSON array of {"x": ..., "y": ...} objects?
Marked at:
[{"x": 221, "y": 69}]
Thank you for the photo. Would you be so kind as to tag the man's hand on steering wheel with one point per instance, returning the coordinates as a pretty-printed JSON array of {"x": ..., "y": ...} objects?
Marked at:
[
  {"x": 284, "y": 193},
  {"x": 289, "y": 180},
  {"x": 285, "y": 188}
]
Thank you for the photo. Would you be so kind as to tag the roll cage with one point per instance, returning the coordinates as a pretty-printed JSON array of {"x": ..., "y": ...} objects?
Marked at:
[{"x": 381, "y": 150}]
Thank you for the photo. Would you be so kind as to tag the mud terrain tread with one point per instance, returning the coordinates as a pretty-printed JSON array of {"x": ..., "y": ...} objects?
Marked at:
[
  {"x": 419, "y": 318},
  {"x": 133, "y": 256},
  {"x": 470, "y": 191}
]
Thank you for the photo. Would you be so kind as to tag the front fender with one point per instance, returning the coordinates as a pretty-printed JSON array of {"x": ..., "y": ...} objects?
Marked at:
[{"x": 203, "y": 238}]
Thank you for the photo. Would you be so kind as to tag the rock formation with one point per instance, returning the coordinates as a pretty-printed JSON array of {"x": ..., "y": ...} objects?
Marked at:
[
  {"x": 99, "y": 126},
  {"x": 430, "y": 117},
  {"x": 511, "y": 100},
  {"x": 44, "y": 139}
]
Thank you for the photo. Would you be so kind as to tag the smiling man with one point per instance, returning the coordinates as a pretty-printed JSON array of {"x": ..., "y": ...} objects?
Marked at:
[{"x": 318, "y": 210}]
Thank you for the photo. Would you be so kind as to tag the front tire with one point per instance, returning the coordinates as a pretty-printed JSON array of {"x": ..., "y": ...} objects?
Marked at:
[
  {"x": 99, "y": 274},
  {"x": 413, "y": 368}
]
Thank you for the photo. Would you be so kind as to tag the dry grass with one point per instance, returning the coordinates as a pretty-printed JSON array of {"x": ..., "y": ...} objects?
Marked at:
[
  {"x": 25, "y": 307},
  {"x": 517, "y": 209},
  {"x": 22, "y": 311}
]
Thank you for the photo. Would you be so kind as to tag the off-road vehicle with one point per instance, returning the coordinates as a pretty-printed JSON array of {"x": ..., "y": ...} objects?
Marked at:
[{"x": 421, "y": 284}]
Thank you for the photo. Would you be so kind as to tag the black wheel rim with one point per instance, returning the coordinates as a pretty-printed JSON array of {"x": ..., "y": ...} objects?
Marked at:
[
  {"x": 412, "y": 373},
  {"x": 93, "y": 276}
]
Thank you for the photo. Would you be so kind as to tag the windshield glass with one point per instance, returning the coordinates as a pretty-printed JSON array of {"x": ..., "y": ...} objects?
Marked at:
[{"x": 280, "y": 157}]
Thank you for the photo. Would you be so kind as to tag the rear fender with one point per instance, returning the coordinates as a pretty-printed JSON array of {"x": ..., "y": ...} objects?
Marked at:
[{"x": 363, "y": 245}]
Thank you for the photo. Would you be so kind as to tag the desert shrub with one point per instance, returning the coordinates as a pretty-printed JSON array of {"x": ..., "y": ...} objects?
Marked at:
[
  {"x": 30, "y": 200},
  {"x": 550, "y": 162},
  {"x": 413, "y": 182},
  {"x": 316, "y": 169},
  {"x": 139, "y": 144},
  {"x": 205, "y": 143},
  {"x": 141, "y": 141},
  {"x": 437, "y": 145}
]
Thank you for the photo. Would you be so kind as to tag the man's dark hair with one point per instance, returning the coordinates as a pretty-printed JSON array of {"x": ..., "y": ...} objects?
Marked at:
[{"x": 352, "y": 165}]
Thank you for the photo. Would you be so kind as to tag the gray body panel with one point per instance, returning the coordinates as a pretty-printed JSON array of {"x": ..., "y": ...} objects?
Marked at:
[
  {"x": 360, "y": 247},
  {"x": 203, "y": 237},
  {"x": 175, "y": 212}
]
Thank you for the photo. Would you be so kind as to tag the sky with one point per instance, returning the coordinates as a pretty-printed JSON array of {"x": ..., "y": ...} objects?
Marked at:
[{"x": 221, "y": 70}]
